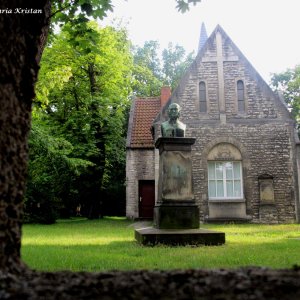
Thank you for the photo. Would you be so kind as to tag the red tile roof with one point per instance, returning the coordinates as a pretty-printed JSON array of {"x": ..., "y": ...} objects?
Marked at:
[{"x": 145, "y": 111}]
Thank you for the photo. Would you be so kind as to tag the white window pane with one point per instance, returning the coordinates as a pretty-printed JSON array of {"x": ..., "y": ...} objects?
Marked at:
[
  {"x": 225, "y": 179},
  {"x": 212, "y": 188},
  {"x": 211, "y": 170},
  {"x": 220, "y": 188},
  {"x": 237, "y": 170},
  {"x": 237, "y": 188},
  {"x": 228, "y": 164},
  {"x": 229, "y": 187},
  {"x": 219, "y": 170},
  {"x": 229, "y": 170}
]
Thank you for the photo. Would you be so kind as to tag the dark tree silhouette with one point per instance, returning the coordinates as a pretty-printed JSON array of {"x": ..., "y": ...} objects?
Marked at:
[{"x": 21, "y": 41}]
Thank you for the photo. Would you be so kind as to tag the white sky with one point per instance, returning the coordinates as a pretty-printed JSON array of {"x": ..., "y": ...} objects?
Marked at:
[{"x": 266, "y": 31}]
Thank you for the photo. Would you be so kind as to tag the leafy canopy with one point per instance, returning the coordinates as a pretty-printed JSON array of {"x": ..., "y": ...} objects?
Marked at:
[
  {"x": 288, "y": 84},
  {"x": 77, "y": 144},
  {"x": 154, "y": 69}
]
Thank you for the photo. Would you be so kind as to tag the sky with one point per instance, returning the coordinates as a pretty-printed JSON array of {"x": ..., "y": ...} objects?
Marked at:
[{"x": 266, "y": 31}]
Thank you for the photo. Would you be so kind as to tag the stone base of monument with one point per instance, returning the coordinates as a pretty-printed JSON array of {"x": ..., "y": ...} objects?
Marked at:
[
  {"x": 176, "y": 225},
  {"x": 151, "y": 236},
  {"x": 176, "y": 217}
]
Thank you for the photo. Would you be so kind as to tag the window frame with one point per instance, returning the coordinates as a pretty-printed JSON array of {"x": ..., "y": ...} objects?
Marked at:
[
  {"x": 200, "y": 98},
  {"x": 224, "y": 180},
  {"x": 240, "y": 92}
]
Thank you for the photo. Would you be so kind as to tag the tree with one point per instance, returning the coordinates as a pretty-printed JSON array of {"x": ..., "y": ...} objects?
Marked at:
[
  {"x": 148, "y": 73},
  {"x": 288, "y": 83},
  {"x": 20, "y": 42},
  {"x": 75, "y": 12},
  {"x": 52, "y": 172},
  {"x": 147, "y": 77},
  {"x": 84, "y": 106},
  {"x": 175, "y": 63}
]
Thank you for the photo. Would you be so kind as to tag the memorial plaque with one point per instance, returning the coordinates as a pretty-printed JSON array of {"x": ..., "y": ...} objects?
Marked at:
[{"x": 266, "y": 191}]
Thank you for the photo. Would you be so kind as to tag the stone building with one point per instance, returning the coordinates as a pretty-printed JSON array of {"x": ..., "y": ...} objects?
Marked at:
[{"x": 245, "y": 155}]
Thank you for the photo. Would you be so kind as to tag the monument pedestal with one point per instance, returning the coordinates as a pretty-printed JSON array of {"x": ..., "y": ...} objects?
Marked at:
[
  {"x": 176, "y": 215},
  {"x": 176, "y": 208},
  {"x": 151, "y": 236}
]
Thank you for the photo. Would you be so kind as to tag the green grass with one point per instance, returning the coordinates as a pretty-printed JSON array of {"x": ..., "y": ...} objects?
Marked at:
[{"x": 108, "y": 244}]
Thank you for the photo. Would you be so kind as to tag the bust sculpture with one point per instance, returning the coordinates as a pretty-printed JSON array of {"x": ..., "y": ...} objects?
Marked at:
[{"x": 173, "y": 127}]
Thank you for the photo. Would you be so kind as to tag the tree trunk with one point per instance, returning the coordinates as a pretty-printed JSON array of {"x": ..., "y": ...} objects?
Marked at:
[
  {"x": 20, "y": 51},
  {"x": 97, "y": 171}
]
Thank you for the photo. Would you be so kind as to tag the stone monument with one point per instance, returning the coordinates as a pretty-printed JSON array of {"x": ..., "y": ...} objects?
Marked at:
[{"x": 176, "y": 215}]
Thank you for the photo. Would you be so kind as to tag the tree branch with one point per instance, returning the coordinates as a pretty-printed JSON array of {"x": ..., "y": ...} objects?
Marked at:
[{"x": 64, "y": 8}]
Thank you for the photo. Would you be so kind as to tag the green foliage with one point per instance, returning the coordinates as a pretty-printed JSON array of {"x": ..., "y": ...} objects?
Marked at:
[
  {"x": 82, "y": 96},
  {"x": 288, "y": 84},
  {"x": 68, "y": 10},
  {"x": 175, "y": 63},
  {"x": 147, "y": 79},
  {"x": 76, "y": 13},
  {"x": 51, "y": 168},
  {"x": 108, "y": 244},
  {"x": 148, "y": 73},
  {"x": 147, "y": 56},
  {"x": 184, "y": 5}
]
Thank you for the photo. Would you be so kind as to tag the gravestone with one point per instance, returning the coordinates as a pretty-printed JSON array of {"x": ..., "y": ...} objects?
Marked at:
[{"x": 176, "y": 215}]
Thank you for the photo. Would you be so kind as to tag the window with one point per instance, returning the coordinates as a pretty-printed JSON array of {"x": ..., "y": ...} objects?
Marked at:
[
  {"x": 202, "y": 97},
  {"x": 225, "y": 180},
  {"x": 241, "y": 96}
]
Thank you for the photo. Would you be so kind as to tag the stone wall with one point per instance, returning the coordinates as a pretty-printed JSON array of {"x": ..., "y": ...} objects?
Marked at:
[
  {"x": 244, "y": 283},
  {"x": 140, "y": 166},
  {"x": 264, "y": 133},
  {"x": 266, "y": 149}
]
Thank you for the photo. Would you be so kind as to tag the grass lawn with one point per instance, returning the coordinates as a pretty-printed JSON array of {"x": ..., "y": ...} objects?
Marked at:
[{"x": 108, "y": 244}]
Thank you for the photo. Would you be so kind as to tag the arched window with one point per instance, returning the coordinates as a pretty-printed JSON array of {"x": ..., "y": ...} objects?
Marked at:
[
  {"x": 241, "y": 96},
  {"x": 225, "y": 176},
  {"x": 202, "y": 97}
]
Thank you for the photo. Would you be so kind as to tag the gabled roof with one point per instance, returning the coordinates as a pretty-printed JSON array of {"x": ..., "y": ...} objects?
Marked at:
[
  {"x": 176, "y": 95},
  {"x": 143, "y": 112}
]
